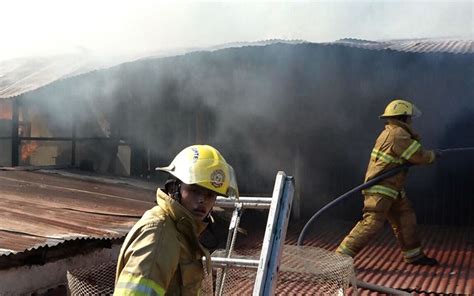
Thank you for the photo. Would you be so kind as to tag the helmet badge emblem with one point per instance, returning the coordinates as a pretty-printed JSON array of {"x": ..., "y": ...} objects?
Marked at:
[{"x": 217, "y": 178}]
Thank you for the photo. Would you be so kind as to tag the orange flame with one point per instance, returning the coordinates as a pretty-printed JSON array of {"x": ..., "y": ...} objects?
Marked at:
[
  {"x": 5, "y": 111},
  {"x": 28, "y": 149}
]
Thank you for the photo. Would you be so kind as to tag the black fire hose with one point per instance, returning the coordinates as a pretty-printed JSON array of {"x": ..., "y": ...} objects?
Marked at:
[
  {"x": 375, "y": 180},
  {"x": 387, "y": 174}
]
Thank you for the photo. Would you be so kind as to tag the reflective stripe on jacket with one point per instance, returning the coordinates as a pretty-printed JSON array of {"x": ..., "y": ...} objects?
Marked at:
[
  {"x": 161, "y": 254},
  {"x": 397, "y": 144}
]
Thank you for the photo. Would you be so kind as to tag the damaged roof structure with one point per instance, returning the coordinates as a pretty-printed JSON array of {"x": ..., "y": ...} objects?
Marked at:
[{"x": 309, "y": 109}]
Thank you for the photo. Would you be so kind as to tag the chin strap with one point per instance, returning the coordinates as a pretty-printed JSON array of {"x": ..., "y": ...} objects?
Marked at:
[
  {"x": 209, "y": 219},
  {"x": 177, "y": 193}
]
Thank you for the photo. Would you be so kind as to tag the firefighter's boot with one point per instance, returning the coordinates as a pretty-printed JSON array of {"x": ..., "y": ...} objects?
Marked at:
[{"x": 425, "y": 260}]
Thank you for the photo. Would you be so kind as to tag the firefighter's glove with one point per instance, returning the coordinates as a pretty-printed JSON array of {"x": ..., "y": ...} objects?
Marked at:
[{"x": 438, "y": 153}]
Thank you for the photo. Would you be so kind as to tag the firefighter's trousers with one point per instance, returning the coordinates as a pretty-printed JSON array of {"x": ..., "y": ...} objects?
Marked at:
[{"x": 378, "y": 208}]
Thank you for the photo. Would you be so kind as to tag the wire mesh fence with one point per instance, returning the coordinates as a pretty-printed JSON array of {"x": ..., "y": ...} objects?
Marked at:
[
  {"x": 314, "y": 271},
  {"x": 303, "y": 271},
  {"x": 94, "y": 280}
]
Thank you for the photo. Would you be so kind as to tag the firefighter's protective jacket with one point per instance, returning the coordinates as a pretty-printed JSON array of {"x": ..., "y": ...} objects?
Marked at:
[
  {"x": 396, "y": 145},
  {"x": 161, "y": 255}
]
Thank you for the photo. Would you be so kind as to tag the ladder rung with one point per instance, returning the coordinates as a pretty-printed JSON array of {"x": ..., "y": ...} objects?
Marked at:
[
  {"x": 234, "y": 262},
  {"x": 248, "y": 202}
]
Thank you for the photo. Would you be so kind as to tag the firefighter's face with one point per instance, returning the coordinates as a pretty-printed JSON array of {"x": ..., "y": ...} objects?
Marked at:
[{"x": 198, "y": 200}]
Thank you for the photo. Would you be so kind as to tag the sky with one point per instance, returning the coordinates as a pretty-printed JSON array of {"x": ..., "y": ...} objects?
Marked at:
[{"x": 107, "y": 28}]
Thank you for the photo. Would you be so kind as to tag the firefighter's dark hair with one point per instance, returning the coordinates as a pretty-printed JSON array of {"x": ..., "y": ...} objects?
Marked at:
[
  {"x": 172, "y": 187},
  {"x": 403, "y": 118}
]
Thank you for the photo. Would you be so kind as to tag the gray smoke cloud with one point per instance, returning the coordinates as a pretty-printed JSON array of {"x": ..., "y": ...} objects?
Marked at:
[
  {"x": 308, "y": 109},
  {"x": 114, "y": 28}
]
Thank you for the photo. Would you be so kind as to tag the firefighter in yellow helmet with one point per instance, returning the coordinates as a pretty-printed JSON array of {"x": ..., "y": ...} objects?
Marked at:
[
  {"x": 397, "y": 144},
  {"x": 161, "y": 255}
]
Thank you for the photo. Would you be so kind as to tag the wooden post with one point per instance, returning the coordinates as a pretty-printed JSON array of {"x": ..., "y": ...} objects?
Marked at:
[{"x": 15, "y": 135}]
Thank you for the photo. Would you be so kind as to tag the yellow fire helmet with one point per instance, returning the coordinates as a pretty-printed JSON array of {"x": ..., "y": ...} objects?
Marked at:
[
  {"x": 400, "y": 107},
  {"x": 203, "y": 165}
]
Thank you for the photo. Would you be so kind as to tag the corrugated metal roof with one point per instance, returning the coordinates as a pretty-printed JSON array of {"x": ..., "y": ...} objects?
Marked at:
[
  {"x": 381, "y": 262},
  {"x": 453, "y": 247},
  {"x": 44, "y": 210},
  {"x": 22, "y": 75},
  {"x": 426, "y": 45},
  {"x": 19, "y": 76}
]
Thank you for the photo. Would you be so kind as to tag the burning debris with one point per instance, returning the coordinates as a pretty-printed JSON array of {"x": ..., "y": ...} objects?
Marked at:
[
  {"x": 28, "y": 149},
  {"x": 5, "y": 110}
]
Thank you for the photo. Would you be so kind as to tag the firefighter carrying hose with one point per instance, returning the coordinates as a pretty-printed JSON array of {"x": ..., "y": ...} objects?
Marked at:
[
  {"x": 397, "y": 144},
  {"x": 162, "y": 253}
]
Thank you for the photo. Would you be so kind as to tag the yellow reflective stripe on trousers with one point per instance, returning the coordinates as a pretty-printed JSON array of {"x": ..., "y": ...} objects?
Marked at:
[
  {"x": 382, "y": 190},
  {"x": 414, "y": 146},
  {"x": 384, "y": 156},
  {"x": 129, "y": 285},
  {"x": 412, "y": 253}
]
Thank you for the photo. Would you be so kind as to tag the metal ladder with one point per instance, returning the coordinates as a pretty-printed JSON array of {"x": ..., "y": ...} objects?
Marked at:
[{"x": 279, "y": 206}]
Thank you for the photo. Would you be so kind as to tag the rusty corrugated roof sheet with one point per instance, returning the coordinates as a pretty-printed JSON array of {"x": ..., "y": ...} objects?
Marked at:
[
  {"x": 381, "y": 262},
  {"x": 425, "y": 45},
  {"x": 44, "y": 210}
]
